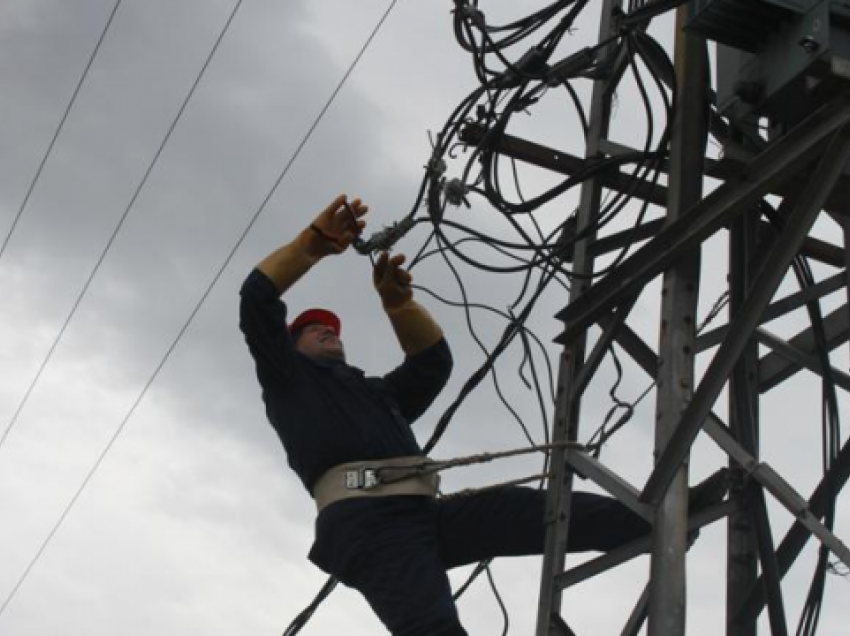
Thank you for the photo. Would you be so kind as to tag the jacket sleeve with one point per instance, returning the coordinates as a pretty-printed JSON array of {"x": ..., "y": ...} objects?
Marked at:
[
  {"x": 262, "y": 319},
  {"x": 417, "y": 382}
]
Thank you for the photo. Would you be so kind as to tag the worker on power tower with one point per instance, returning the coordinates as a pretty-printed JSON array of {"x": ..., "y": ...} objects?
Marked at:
[{"x": 342, "y": 430}]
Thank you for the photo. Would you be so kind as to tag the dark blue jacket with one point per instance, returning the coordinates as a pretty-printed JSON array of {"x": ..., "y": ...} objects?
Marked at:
[{"x": 329, "y": 413}]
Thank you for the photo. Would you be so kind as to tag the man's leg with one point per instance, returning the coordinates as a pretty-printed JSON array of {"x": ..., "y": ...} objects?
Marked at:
[
  {"x": 510, "y": 522},
  {"x": 399, "y": 572}
]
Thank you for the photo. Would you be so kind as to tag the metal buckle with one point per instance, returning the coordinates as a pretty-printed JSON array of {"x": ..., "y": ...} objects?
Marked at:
[{"x": 361, "y": 479}]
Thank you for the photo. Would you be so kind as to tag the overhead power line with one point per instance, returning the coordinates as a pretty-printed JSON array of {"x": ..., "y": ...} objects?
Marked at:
[
  {"x": 99, "y": 461},
  {"x": 59, "y": 129},
  {"x": 117, "y": 230}
]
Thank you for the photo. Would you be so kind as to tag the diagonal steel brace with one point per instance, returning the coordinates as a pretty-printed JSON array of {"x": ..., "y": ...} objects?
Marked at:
[
  {"x": 793, "y": 151},
  {"x": 808, "y": 204}
]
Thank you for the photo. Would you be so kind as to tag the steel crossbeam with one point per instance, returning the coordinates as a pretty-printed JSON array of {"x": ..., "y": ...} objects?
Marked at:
[
  {"x": 780, "y": 308},
  {"x": 808, "y": 204},
  {"x": 638, "y": 547},
  {"x": 592, "y": 469},
  {"x": 789, "y": 154},
  {"x": 789, "y": 357},
  {"x": 797, "y": 537}
]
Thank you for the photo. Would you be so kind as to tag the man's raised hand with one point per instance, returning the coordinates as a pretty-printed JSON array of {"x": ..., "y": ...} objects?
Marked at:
[
  {"x": 336, "y": 227},
  {"x": 391, "y": 281}
]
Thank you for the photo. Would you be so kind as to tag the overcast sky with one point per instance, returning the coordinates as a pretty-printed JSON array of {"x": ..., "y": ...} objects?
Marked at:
[{"x": 193, "y": 523}]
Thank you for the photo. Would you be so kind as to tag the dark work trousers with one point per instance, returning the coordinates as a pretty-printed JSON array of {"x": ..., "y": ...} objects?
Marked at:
[{"x": 396, "y": 550}]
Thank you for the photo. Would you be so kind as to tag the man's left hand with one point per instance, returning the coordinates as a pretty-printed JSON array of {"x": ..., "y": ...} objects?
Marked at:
[{"x": 391, "y": 281}]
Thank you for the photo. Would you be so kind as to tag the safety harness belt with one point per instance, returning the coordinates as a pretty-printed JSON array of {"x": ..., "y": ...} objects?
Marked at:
[{"x": 378, "y": 478}]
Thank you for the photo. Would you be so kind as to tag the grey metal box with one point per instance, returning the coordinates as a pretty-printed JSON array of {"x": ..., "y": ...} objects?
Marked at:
[{"x": 777, "y": 59}]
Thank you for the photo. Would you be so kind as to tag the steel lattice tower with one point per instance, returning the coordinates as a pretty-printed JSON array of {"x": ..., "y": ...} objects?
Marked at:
[{"x": 804, "y": 166}]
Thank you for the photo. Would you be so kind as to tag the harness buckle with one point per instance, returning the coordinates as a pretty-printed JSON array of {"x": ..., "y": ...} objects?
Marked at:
[{"x": 361, "y": 479}]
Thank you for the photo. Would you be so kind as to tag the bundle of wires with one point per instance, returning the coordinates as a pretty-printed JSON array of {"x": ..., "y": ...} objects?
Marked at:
[{"x": 523, "y": 248}]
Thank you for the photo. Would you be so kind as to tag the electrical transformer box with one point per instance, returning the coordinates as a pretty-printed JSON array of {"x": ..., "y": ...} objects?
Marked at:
[{"x": 778, "y": 59}]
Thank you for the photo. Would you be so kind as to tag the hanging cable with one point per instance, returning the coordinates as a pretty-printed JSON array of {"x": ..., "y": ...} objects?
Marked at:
[
  {"x": 80, "y": 297},
  {"x": 118, "y": 227},
  {"x": 197, "y": 307},
  {"x": 506, "y": 620},
  {"x": 59, "y": 129}
]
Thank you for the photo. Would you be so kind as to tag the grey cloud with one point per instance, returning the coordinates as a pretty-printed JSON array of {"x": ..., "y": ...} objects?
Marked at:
[{"x": 195, "y": 524}]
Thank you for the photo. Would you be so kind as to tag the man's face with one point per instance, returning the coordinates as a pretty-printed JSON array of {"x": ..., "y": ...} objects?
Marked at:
[{"x": 319, "y": 341}]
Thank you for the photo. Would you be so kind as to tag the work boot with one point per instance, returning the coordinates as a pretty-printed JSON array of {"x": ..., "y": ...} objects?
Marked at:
[{"x": 708, "y": 492}]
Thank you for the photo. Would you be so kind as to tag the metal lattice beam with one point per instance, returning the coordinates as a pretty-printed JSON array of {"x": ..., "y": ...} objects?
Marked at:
[
  {"x": 789, "y": 154},
  {"x": 807, "y": 206}
]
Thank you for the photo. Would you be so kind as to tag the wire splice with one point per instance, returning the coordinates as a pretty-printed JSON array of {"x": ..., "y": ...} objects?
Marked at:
[{"x": 383, "y": 240}]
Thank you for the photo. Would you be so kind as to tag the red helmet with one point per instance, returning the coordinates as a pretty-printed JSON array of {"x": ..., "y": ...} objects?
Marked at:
[{"x": 320, "y": 316}]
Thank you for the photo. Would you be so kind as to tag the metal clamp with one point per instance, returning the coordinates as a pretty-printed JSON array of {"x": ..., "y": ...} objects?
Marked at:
[{"x": 362, "y": 479}]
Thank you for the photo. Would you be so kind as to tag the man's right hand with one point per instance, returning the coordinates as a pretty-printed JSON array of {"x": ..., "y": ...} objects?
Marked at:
[
  {"x": 332, "y": 232},
  {"x": 336, "y": 227}
]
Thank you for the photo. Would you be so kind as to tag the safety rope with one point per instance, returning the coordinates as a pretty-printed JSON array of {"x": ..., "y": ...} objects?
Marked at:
[{"x": 431, "y": 467}]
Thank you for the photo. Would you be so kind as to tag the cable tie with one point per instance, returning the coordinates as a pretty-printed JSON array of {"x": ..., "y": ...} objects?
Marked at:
[
  {"x": 456, "y": 191},
  {"x": 471, "y": 13},
  {"x": 436, "y": 166}
]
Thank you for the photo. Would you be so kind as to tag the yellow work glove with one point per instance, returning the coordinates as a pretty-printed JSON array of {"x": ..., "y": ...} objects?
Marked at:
[
  {"x": 392, "y": 282},
  {"x": 415, "y": 328},
  {"x": 335, "y": 228}
]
